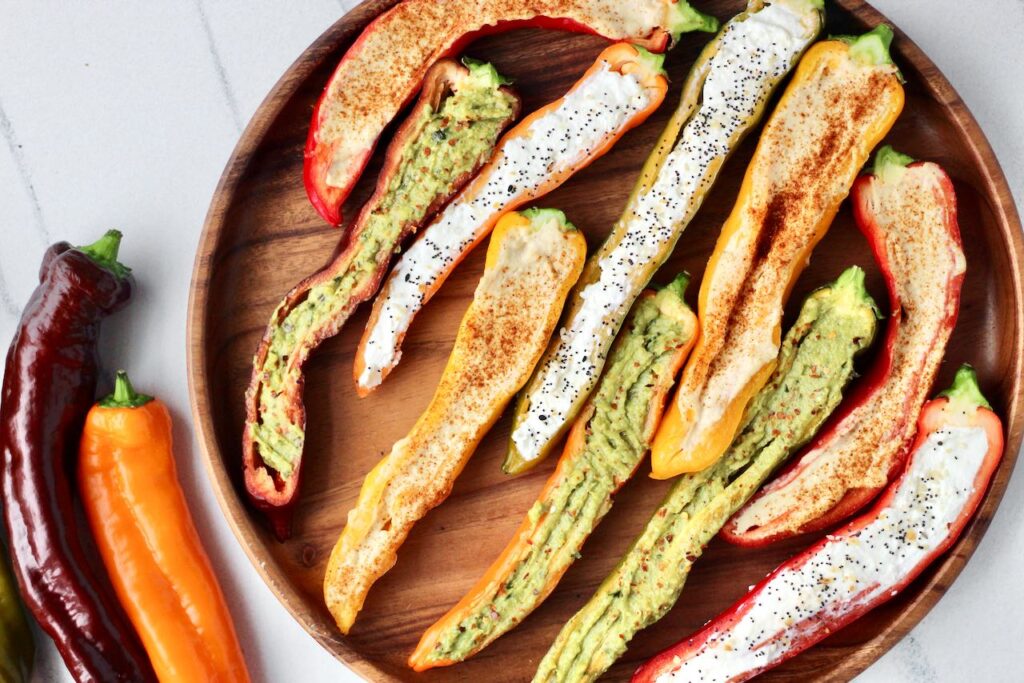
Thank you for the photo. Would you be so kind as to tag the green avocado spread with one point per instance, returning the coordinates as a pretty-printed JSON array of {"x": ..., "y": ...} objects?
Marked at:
[
  {"x": 446, "y": 144},
  {"x": 639, "y": 372},
  {"x": 815, "y": 363}
]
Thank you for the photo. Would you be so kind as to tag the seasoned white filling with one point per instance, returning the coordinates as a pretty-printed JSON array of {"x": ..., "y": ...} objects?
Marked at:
[
  {"x": 849, "y": 571},
  {"x": 555, "y": 143},
  {"x": 753, "y": 56}
]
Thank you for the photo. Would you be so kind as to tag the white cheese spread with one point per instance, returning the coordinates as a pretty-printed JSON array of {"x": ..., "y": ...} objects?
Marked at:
[{"x": 752, "y": 57}]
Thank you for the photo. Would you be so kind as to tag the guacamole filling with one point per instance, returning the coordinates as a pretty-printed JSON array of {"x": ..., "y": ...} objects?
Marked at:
[
  {"x": 450, "y": 142},
  {"x": 615, "y": 441},
  {"x": 815, "y": 363}
]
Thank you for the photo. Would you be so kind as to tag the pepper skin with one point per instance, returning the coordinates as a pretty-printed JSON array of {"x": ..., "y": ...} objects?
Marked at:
[
  {"x": 49, "y": 385},
  {"x": 908, "y": 213},
  {"x": 864, "y": 564},
  {"x": 145, "y": 534},
  {"x": 16, "y": 646},
  {"x": 383, "y": 68}
]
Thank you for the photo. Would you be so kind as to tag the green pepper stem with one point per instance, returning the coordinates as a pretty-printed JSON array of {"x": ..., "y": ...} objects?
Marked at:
[
  {"x": 679, "y": 284},
  {"x": 851, "y": 287},
  {"x": 485, "y": 71},
  {"x": 124, "y": 395},
  {"x": 871, "y": 48},
  {"x": 104, "y": 253},
  {"x": 965, "y": 389},
  {"x": 684, "y": 18},
  {"x": 538, "y": 216},
  {"x": 889, "y": 164},
  {"x": 852, "y": 278},
  {"x": 655, "y": 63}
]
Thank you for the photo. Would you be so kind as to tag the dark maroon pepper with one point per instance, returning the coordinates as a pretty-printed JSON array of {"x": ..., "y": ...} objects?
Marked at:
[{"x": 49, "y": 385}]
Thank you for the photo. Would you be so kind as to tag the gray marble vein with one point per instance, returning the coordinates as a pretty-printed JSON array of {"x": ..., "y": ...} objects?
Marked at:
[
  {"x": 914, "y": 662},
  {"x": 218, "y": 65},
  {"x": 7, "y": 304},
  {"x": 24, "y": 174}
]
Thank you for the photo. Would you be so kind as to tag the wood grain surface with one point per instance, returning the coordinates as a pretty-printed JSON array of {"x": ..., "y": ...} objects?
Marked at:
[{"x": 261, "y": 237}]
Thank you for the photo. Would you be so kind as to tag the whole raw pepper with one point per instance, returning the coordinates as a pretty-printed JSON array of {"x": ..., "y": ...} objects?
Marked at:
[
  {"x": 908, "y": 213},
  {"x": 866, "y": 563},
  {"x": 49, "y": 385},
  {"x": 16, "y": 646},
  {"x": 384, "y": 67},
  {"x": 145, "y": 535}
]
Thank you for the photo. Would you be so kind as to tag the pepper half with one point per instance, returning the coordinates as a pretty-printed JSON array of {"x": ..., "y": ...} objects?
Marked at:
[
  {"x": 533, "y": 260},
  {"x": 623, "y": 87},
  {"x": 384, "y": 67},
  {"x": 604, "y": 449},
  {"x": 724, "y": 97},
  {"x": 836, "y": 323}
]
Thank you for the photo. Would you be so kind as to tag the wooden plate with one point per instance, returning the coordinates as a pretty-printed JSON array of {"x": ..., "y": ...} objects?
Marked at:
[{"x": 261, "y": 237}]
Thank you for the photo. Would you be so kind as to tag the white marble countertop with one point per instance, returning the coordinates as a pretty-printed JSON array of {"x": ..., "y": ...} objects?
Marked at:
[{"x": 122, "y": 114}]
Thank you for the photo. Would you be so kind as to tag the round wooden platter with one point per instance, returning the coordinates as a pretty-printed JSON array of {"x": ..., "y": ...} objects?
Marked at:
[{"x": 262, "y": 236}]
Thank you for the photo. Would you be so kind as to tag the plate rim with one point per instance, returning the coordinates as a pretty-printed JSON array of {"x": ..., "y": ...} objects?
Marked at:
[{"x": 241, "y": 521}]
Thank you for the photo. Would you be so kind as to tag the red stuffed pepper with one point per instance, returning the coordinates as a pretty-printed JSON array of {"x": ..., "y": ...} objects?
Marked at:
[
  {"x": 958, "y": 448},
  {"x": 448, "y": 135},
  {"x": 908, "y": 213},
  {"x": 383, "y": 69}
]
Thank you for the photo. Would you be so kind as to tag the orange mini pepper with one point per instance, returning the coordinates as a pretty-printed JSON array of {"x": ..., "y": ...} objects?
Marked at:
[{"x": 147, "y": 540}]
